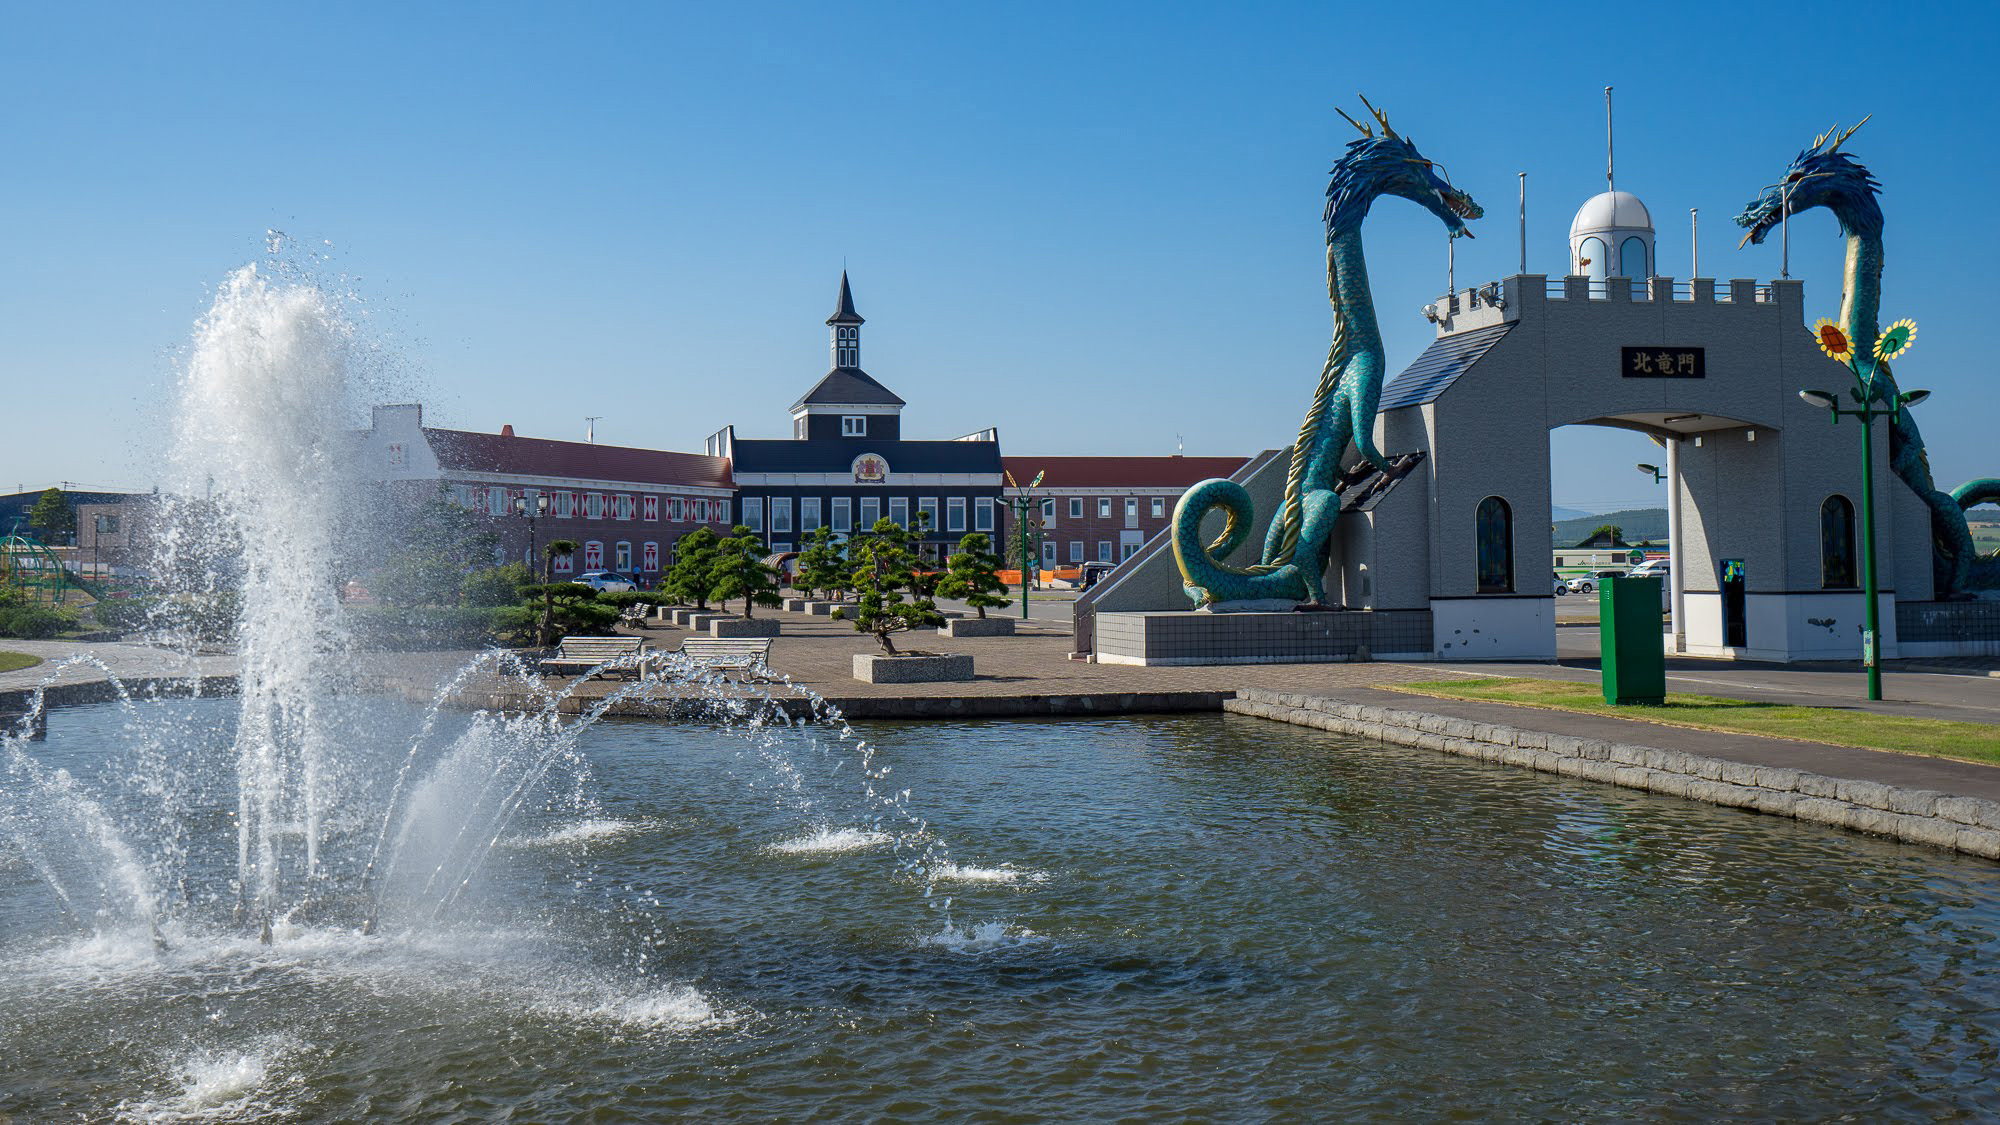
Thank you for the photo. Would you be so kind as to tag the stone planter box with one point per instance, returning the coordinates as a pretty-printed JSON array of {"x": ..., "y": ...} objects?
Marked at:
[
  {"x": 978, "y": 627},
  {"x": 874, "y": 668},
  {"x": 744, "y": 627},
  {"x": 796, "y": 605},
  {"x": 698, "y": 621},
  {"x": 824, "y": 609},
  {"x": 680, "y": 614},
  {"x": 665, "y": 612}
]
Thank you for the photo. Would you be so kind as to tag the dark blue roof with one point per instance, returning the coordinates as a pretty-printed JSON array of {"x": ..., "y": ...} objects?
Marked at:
[
  {"x": 1442, "y": 363},
  {"x": 837, "y": 456}
]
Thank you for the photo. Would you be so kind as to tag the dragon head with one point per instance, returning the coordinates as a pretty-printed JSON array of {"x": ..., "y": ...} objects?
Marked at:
[
  {"x": 1820, "y": 176},
  {"x": 1389, "y": 164}
]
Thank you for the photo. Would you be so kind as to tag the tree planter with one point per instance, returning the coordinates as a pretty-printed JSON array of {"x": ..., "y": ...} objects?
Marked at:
[
  {"x": 875, "y": 668},
  {"x": 796, "y": 605},
  {"x": 698, "y": 622},
  {"x": 978, "y": 627},
  {"x": 824, "y": 609},
  {"x": 664, "y": 612},
  {"x": 744, "y": 627},
  {"x": 680, "y": 616}
]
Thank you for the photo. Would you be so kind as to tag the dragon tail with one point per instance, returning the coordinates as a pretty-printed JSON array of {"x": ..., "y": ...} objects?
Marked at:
[{"x": 1209, "y": 579}]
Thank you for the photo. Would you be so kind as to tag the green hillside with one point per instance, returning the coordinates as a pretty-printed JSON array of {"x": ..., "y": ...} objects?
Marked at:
[{"x": 1639, "y": 524}]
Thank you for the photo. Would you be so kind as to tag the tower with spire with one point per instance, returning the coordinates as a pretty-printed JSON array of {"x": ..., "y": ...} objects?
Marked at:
[{"x": 847, "y": 403}]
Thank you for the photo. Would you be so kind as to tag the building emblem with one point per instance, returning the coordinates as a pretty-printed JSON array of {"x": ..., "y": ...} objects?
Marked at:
[{"x": 870, "y": 469}]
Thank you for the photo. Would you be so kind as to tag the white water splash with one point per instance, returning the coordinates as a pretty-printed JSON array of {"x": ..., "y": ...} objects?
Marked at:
[
  {"x": 222, "y": 1084},
  {"x": 583, "y": 833},
  {"x": 827, "y": 841},
  {"x": 981, "y": 938},
  {"x": 965, "y": 873}
]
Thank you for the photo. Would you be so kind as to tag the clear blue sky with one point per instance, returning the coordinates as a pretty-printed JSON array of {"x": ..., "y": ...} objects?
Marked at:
[{"x": 1080, "y": 223}]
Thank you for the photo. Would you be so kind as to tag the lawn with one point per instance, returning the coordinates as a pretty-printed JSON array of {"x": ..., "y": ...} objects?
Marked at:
[
  {"x": 15, "y": 661},
  {"x": 1837, "y": 726}
]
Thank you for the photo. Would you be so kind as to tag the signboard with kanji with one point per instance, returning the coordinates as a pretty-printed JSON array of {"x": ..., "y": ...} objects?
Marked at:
[{"x": 1662, "y": 363}]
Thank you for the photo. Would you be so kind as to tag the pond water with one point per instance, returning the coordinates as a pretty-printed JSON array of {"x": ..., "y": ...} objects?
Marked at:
[{"x": 1202, "y": 917}]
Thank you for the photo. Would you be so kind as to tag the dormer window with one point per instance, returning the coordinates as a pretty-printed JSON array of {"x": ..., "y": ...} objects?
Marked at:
[{"x": 854, "y": 425}]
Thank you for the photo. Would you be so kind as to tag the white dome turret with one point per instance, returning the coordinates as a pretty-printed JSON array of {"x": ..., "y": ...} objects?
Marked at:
[{"x": 1612, "y": 236}]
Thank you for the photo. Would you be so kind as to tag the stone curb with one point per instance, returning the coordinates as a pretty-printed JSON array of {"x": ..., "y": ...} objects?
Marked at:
[{"x": 1918, "y": 816}]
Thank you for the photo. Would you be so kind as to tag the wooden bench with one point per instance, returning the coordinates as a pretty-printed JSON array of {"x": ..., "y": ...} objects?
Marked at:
[
  {"x": 635, "y": 614},
  {"x": 581, "y": 654},
  {"x": 717, "y": 654}
]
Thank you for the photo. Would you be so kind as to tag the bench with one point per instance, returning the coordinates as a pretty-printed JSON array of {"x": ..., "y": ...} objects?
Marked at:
[
  {"x": 635, "y": 614},
  {"x": 581, "y": 654},
  {"x": 716, "y": 654}
]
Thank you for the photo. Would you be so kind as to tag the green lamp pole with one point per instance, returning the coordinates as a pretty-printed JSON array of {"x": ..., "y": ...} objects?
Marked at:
[
  {"x": 1022, "y": 505},
  {"x": 1867, "y": 395},
  {"x": 1654, "y": 472}
]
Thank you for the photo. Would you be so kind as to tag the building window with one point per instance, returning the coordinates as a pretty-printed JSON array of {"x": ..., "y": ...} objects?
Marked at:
[
  {"x": 1131, "y": 513},
  {"x": 1159, "y": 507},
  {"x": 676, "y": 510},
  {"x": 781, "y": 514},
  {"x": 1836, "y": 544},
  {"x": 1127, "y": 550},
  {"x": 1076, "y": 507},
  {"x": 927, "y": 510},
  {"x": 565, "y": 564},
  {"x": 700, "y": 511},
  {"x": 854, "y": 425},
  {"x": 1104, "y": 550},
  {"x": 566, "y": 505},
  {"x": 593, "y": 555},
  {"x": 1632, "y": 258},
  {"x": 1104, "y": 507},
  {"x": 982, "y": 514},
  {"x": 954, "y": 513},
  {"x": 808, "y": 513},
  {"x": 722, "y": 511},
  {"x": 623, "y": 554},
  {"x": 871, "y": 512},
  {"x": 1076, "y": 550},
  {"x": 593, "y": 505},
  {"x": 650, "y": 555},
  {"x": 1048, "y": 555},
  {"x": 899, "y": 510},
  {"x": 1590, "y": 260},
  {"x": 496, "y": 501},
  {"x": 1493, "y": 526},
  {"x": 780, "y": 547},
  {"x": 843, "y": 514},
  {"x": 1048, "y": 513},
  {"x": 624, "y": 506},
  {"x": 650, "y": 509},
  {"x": 753, "y": 513}
]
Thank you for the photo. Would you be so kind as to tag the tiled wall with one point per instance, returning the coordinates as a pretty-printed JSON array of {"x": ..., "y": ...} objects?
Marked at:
[{"x": 1260, "y": 638}]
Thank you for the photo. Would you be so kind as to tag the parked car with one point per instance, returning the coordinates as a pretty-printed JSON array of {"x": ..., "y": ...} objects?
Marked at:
[
  {"x": 1587, "y": 584},
  {"x": 1651, "y": 568},
  {"x": 1093, "y": 572},
  {"x": 606, "y": 580},
  {"x": 1562, "y": 587}
]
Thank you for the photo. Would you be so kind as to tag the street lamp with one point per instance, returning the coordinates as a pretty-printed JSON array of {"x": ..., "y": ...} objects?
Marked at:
[
  {"x": 1022, "y": 505},
  {"x": 540, "y": 508},
  {"x": 1867, "y": 394},
  {"x": 1652, "y": 471}
]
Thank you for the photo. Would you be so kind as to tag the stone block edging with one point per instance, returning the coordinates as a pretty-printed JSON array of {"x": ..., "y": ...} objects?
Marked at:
[{"x": 1918, "y": 816}]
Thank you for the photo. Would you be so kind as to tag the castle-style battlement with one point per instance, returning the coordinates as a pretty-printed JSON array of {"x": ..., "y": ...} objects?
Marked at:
[{"x": 1507, "y": 300}]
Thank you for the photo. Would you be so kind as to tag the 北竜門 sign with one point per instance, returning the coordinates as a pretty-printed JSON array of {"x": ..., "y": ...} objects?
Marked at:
[{"x": 1662, "y": 363}]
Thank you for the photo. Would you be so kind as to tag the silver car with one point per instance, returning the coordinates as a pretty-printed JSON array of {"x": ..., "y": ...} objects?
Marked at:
[{"x": 606, "y": 580}]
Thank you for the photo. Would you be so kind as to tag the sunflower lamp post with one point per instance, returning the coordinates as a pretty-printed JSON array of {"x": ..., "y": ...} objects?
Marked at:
[
  {"x": 1022, "y": 505},
  {"x": 1870, "y": 403}
]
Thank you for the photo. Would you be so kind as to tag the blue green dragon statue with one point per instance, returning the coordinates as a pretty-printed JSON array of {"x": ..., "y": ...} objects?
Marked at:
[
  {"x": 1300, "y": 542},
  {"x": 1824, "y": 176}
]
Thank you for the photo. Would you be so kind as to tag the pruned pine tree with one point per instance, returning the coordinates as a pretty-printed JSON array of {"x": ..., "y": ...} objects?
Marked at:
[
  {"x": 972, "y": 574},
  {"x": 891, "y": 596},
  {"x": 822, "y": 566},
  {"x": 739, "y": 571},
  {"x": 694, "y": 556}
]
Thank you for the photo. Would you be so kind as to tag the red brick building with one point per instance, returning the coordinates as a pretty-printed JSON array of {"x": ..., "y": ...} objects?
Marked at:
[
  {"x": 625, "y": 507},
  {"x": 1101, "y": 509}
]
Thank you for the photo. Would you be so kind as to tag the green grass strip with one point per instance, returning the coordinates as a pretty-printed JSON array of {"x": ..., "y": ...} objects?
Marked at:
[
  {"x": 15, "y": 661},
  {"x": 1834, "y": 726}
]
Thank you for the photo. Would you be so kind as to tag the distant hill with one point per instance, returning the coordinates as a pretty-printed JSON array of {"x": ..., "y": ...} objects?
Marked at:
[
  {"x": 1639, "y": 524},
  {"x": 1559, "y": 513}
]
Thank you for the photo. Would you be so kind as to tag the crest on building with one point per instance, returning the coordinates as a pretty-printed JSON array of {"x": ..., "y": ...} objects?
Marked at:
[{"x": 869, "y": 468}]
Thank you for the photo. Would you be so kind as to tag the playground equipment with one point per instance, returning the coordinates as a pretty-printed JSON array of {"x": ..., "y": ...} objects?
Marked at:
[{"x": 28, "y": 567}]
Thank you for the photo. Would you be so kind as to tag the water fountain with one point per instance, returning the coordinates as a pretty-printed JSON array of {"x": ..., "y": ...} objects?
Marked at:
[{"x": 310, "y": 901}]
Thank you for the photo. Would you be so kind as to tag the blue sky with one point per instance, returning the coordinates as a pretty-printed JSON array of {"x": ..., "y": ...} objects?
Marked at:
[{"x": 1095, "y": 226}]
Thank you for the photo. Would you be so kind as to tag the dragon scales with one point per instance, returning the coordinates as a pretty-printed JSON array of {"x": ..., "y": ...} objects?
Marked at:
[
  {"x": 1300, "y": 542},
  {"x": 1824, "y": 176}
]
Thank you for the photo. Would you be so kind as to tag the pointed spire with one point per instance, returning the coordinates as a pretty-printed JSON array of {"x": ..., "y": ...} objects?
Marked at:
[{"x": 844, "y": 312}]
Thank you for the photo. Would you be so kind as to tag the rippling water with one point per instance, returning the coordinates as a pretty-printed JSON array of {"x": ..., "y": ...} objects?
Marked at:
[{"x": 1208, "y": 917}]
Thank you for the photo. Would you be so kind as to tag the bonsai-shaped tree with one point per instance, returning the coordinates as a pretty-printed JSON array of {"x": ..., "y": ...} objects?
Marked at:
[
  {"x": 822, "y": 566},
  {"x": 557, "y": 549},
  {"x": 694, "y": 557},
  {"x": 552, "y": 607},
  {"x": 739, "y": 572},
  {"x": 972, "y": 574},
  {"x": 891, "y": 596}
]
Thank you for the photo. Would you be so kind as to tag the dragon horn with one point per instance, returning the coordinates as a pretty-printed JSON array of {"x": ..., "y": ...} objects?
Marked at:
[
  {"x": 1365, "y": 130},
  {"x": 1380, "y": 117},
  {"x": 1821, "y": 139},
  {"x": 1849, "y": 133}
]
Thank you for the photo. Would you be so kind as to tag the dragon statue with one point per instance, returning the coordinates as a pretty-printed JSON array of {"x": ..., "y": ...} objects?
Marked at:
[
  {"x": 1824, "y": 176},
  {"x": 1300, "y": 542}
]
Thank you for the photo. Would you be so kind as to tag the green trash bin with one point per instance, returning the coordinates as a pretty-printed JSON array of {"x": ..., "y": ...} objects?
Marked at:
[{"x": 1632, "y": 650}]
